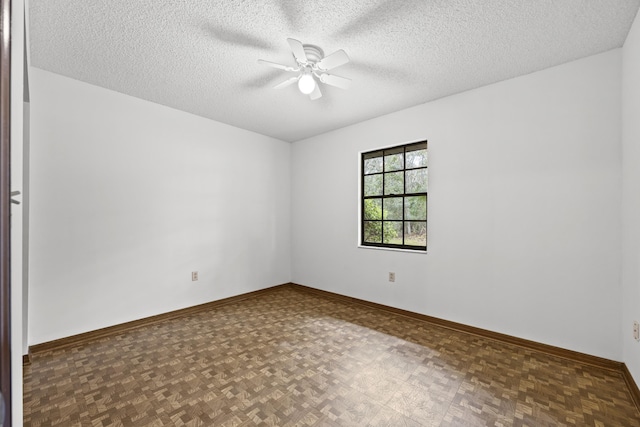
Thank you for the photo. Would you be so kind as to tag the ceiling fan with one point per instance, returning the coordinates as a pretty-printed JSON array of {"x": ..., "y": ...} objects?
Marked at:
[{"x": 312, "y": 65}]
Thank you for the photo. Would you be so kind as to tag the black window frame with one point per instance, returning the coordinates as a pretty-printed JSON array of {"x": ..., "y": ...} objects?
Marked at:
[{"x": 387, "y": 151}]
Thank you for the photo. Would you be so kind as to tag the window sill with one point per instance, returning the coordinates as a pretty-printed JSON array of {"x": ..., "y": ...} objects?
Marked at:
[{"x": 378, "y": 248}]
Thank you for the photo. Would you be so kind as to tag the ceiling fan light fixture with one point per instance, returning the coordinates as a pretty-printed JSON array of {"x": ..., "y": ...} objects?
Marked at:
[
  {"x": 306, "y": 84},
  {"x": 312, "y": 67}
]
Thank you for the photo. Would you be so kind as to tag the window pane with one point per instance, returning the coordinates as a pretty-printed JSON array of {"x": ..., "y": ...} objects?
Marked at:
[
  {"x": 416, "y": 159},
  {"x": 393, "y": 183},
  {"x": 417, "y": 181},
  {"x": 394, "y": 162},
  {"x": 393, "y": 232},
  {"x": 373, "y": 185},
  {"x": 415, "y": 207},
  {"x": 373, "y": 209},
  {"x": 373, "y": 231},
  {"x": 393, "y": 208},
  {"x": 415, "y": 233},
  {"x": 372, "y": 165}
]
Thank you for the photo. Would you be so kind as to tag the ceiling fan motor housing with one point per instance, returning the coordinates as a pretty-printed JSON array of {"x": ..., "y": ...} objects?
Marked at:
[{"x": 314, "y": 53}]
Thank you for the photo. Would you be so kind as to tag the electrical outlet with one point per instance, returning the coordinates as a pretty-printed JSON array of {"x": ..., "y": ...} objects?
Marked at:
[
  {"x": 636, "y": 331},
  {"x": 194, "y": 276},
  {"x": 392, "y": 276}
]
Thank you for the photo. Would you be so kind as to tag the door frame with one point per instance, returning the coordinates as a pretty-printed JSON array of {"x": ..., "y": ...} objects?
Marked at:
[{"x": 5, "y": 209}]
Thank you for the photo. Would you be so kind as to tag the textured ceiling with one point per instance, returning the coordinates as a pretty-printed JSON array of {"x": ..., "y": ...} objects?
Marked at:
[{"x": 201, "y": 56}]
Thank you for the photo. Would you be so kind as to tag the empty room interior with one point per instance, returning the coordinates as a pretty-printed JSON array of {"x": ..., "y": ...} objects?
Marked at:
[{"x": 338, "y": 213}]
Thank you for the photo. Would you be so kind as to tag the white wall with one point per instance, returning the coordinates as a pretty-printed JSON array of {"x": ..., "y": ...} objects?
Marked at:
[
  {"x": 128, "y": 197},
  {"x": 25, "y": 227},
  {"x": 524, "y": 209},
  {"x": 631, "y": 197}
]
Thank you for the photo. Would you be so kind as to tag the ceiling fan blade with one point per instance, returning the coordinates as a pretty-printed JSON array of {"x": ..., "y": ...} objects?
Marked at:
[
  {"x": 315, "y": 94},
  {"x": 278, "y": 66},
  {"x": 334, "y": 60},
  {"x": 337, "y": 81},
  {"x": 286, "y": 82},
  {"x": 298, "y": 50}
]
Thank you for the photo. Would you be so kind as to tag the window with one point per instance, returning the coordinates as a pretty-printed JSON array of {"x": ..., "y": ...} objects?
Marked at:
[{"x": 394, "y": 197}]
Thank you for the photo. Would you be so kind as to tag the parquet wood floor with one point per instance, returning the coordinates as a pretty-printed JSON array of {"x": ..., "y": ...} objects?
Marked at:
[{"x": 290, "y": 358}]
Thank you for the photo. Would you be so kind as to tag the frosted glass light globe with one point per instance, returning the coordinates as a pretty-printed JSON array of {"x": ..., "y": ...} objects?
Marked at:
[{"x": 306, "y": 84}]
